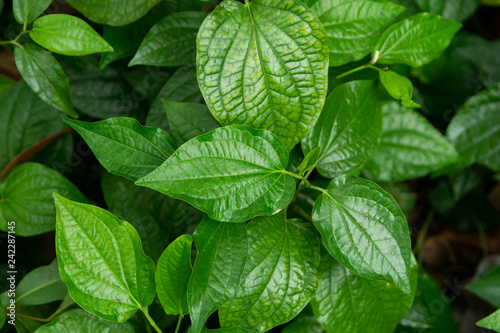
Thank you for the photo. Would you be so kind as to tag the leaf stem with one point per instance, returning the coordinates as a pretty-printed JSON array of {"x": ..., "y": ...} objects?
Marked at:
[
  {"x": 302, "y": 178},
  {"x": 317, "y": 188},
  {"x": 151, "y": 321},
  {"x": 179, "y": 323},
  {"x": 423, "y": 235},
  {"x": 352, "y": 71}
]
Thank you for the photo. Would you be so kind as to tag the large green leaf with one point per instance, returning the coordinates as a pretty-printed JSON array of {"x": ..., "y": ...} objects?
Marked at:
[
  {"x": 172, "y": 276},
  {"x": 280, "y": 275},
  {"x": 458, "y": 10},
  {"x": 348, "y": 130},
  {"x": 26, "y": 11},
  {"x": 113, "y": 12},
  {"x": 410, "y": 146},
  {"x": 26, "y": 198},
  {"x": 102, "y": 262},
  {"x": 125, "y": 147},
  {"x": 491, "y": 322},
  {"x": 233, "y": 173},
  {"x": 45, "y": 76},
  {"x": 354, "y": 26},
  {"x": 416, "y": 40},
  {"x": 364, "y": 229},
  {"x": 487, "y": 287},
  {"x": 79, "y": 321},
  {"x": 475, "y": 130},
  {"x": 264, "y": 64},
  {"x": 222, "y": 253},
  {"x": 171, "y": 41}
]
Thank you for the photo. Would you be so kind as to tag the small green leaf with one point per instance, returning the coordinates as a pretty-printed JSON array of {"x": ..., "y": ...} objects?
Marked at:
[
  {"x": 68, "y": 35},
  {"x": 45, "y": 76},
  {"x": 399, "y": 87},
  {"x": 475, "y": 130},
  {"x": 26, "y": 198},
  {"x": 487, "y": 287},
  {"x": 172, "y": 276},
  {"x": 348, "y": 130},
  {"x": 188, "y": 120},
  {"x": 364, "y": 229},
  {"x": 171, "y": 41},
  {"x": 79, "y": 321},
  {"x": 458, "y": 10},
  {"x": 222, "y": 253},
  {"x": 416, "y": 40},
  {"x": 102, "y": 262},
  {"x": 280, "y": 275},
  {"x": 491, "y": 322},
  {"x": 125, "y": 147},
  {"x": 309, "y": 160},
  {"x": 411, "y": 147},
  {"x": 26, "y": 11},
  {"x": 233, "y": 173},
  {"x": 264, "y": 64}
]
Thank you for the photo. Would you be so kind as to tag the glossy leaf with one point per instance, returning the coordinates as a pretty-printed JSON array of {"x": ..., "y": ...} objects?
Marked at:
[
  {"x": 222, "y": 253},
  {"x": 475, "y": 129},
  {"x": 458, "y": 10},
  {"x": 125, "y": 147},
  {"x": 280, "y": 275},
  {"x": 487, "y": 287},
  {"x": 26, "y": 11},
  {"x": 102, "y": 262},
  {"x": 304, "y": 322},
  {"x": 45, "y": 76},
  {"x": 353, "y": 27},
  {"x": 364, "y": 229},
  {"x": 26, "y": 198},
  {"x": 416, "y": 40},
  {"x": 410, "y": 146},
  {"x": 264, "y": 64},
  {"x": 172, "y": 276},
  {"x": 491, "y": 322},
  {"x": 309, "y": 160},
  {"x": 233, "y": 174},
  {"x": 79, "y": 321},
  {"x": 399, "y": 87},
  {"x": 188, "y": 120},
  {"x": 171, "y": 41},
  {"x": 348, "y": 130}
]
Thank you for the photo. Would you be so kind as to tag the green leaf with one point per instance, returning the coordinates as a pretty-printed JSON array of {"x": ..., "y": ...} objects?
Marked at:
[
  {"x": 5, "y": 82},
  {"x": 233, "y": 174},
  {"x": 26, "y": 198},
  {"x": 172, "y": 276},
  {"x": 69, "y": 35},
  {"x": 304, "y": 322},
  {"x": 475, "y": 130},
  {"x": 458, "y": 10},
  {"x": 280, "y": 275},
  {"x": 309, "y": 160},
  {"x": 346, "y": 302},
  {"x": 45, "y": 76},
  {"x": 222, "y": 253},
  {"x": 233, "y": 329},
  {"x": 364, "y": 229},
  {"x": 125, "y": 147},
  {"x": 171, "y": 41},
  {"x": 102, "y": 262},
  {"x": 353, "y": 27},
  {"x": 26, "y": 11},
  {"x": 113, "y": 12},
  {"x": 264, "y": 64},
  {"x": 487, "y": 287},
  {"x": 79, "y": 321},
  {"x": 3, "y": 315},
  {"x": 491, "y": 322},
  {"x": 416, "y": 40},
  {"x": 348, "y": 130},
  {"x": 411, "y": 147},
  {"x": 399, "y": 87}
]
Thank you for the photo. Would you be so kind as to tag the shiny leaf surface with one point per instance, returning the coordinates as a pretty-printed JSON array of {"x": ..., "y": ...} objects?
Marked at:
[
  {"x": 79, "y": 321},
  {"x": 491, "y": 322},
  {"x": 399, "y": 87},
  {"x": 26, "y": 11}
]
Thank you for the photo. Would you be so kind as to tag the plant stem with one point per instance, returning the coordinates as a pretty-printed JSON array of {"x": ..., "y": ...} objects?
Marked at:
[
  {"x": 317, "y": 188},
  {"x": 151, "y": 321},
  {"x": 179, "y": 323},
  {"x": 423, "y": 235},
  {"x": 352, "y": 71},
  {"x": 303, "y": 213},
  {"x": 30, "y": 317}
]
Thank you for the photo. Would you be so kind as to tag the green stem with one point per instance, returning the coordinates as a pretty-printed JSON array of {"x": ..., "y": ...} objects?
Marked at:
[
  {"x": 179, "y": 323},
  {"x": 317, "y": 188},
  {"x": 303, "y": 213},
  {"x": 352, "y": 71},
  {"x": 302, "y": 178},
  {"x": 151, "y": 321},
  {"x": 422, "y": 236}
]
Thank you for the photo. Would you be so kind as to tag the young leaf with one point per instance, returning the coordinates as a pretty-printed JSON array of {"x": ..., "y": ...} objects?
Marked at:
[
  {"x": 102, "y": 262},
  {"x": 26, "y": 198},
  {"x": 399, "y": 87},
  {"x": 280, "y": 275},
  {"x": 416, "y": 40},
  {"x": 348, "y": 130},
  {"x": 487, "y": 287},
  {"x": 364, "y": 229},
  {"x": 233, "y": 173},
  {"x": 68, "y": 35},
  {"x": 79, "y": 321},
  {"x": 353, "y": 27},
  {"x": 26, "y": 11},
  {"x": 475, "y": 130},
  {"x": 125, "y": 147},
  {"x": 491, "y": 322},
  {"x": 222, "y": 253},
  {"x": 309, "y": 160},
  {"x": 171, "y": 41},
  {"x": 458, "y": 10},
  {"x": 44, "y": 75},
  {"x": 188, "y": 120},
  {"x": 410, "y": 146},
  {"x": 172, "y": 276},
  {"x": 264, "y": 64}
]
